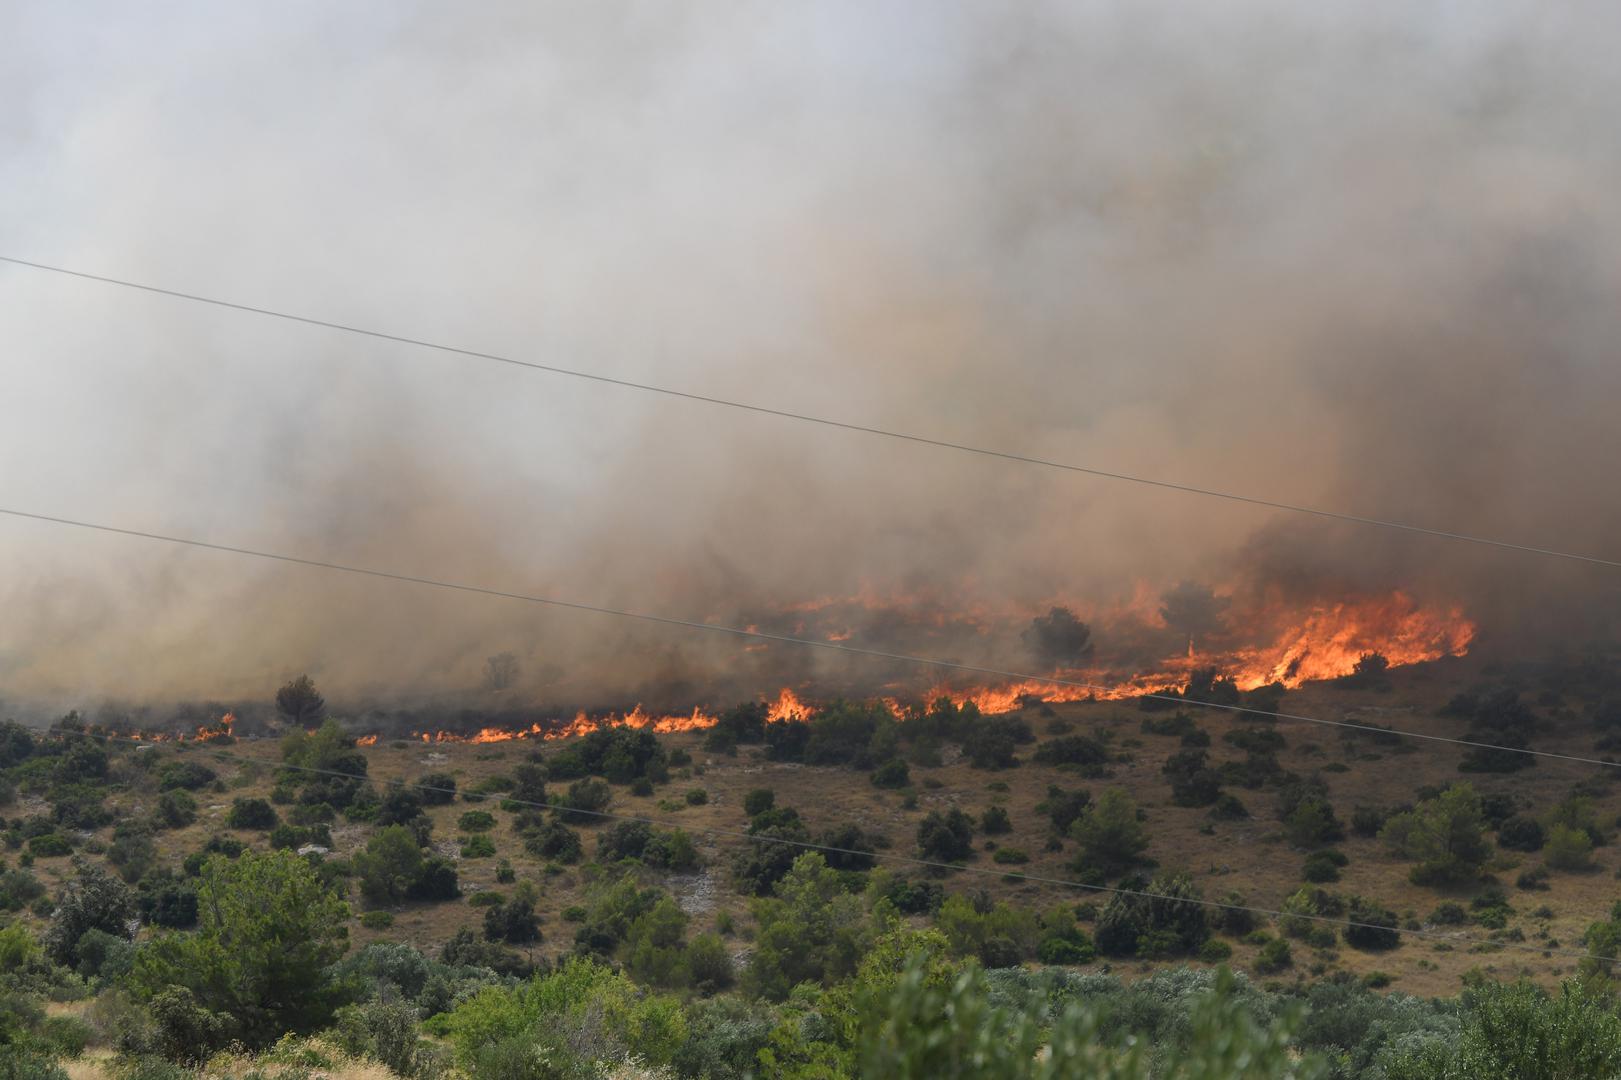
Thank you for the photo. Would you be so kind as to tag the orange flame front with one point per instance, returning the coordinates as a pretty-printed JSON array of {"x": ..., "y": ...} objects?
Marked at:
[{"x": 1321, "y": 641}]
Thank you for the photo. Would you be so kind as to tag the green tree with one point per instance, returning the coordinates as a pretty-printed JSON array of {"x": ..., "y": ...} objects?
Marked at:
[
  {"x": 1515, "y": 1031},
  {"x": 1445, "y": 835},
  {"x": 811, "y": 930},
  {"x": 94, "y": 900},
  {"x": 390, "y": 865},
  {"x": 268, "y": 930},
  {"x": 1112, "y": 839}
]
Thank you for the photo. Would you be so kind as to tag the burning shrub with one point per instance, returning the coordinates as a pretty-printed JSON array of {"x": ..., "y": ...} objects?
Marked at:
[
  {"x": 1368, "y": 671},
  {"x": 1208, "y": 686}
]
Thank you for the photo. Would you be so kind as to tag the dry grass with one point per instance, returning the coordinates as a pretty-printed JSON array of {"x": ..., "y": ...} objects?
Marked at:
[{"x": 1248, "y": 857}]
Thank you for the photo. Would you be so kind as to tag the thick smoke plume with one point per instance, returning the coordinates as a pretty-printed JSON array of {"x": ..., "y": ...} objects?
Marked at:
[{"x": 1354, "y": 256}]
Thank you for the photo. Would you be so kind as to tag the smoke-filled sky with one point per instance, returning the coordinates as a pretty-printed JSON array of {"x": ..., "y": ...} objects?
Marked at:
[{"x": 1359, "y": 256}]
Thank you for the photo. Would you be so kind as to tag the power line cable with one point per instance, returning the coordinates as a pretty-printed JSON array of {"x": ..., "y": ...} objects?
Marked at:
[
  {"x": 759, "y": 635},
  {"x": 807, "y": 418},
  {"x": 564, "y": 809}
]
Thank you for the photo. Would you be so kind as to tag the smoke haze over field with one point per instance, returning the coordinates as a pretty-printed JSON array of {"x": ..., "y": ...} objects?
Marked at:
[{"x": 1362, "y": 257}]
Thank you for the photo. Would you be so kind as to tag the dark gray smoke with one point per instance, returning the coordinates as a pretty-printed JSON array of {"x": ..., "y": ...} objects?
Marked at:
[{"x": 1355, "y": 256}]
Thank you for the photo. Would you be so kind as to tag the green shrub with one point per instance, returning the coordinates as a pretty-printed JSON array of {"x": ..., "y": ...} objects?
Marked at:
[
  {"x": 247, "y": 813},
  {"x": 476, "y": 821},
  {"x": 1568, "y": 848},
  {"x": 50, "y": 846},
  {"x": 1273, "y": 957},
  {"x": 478, "y": 846},
  {"x": 377, "y": 920},
  {"x": 994, "y": 822},
  {"x": 1322, "y": 866},
  {"x": 892, "y": 774}
]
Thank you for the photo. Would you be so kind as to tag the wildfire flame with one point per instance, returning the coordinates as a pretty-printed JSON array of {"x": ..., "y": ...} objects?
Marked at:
[
  {"x": 223, "y": 728},
  {"x": 1321, "y": 641},
  {"x": 582, "y": 724},
  {"x": 787, "y": 707}
]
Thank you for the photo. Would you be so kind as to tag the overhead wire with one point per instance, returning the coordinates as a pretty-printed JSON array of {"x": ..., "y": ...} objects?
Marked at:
[
  {"x": 760, "y": 635},
  {"x": 823, "y": 421}
]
